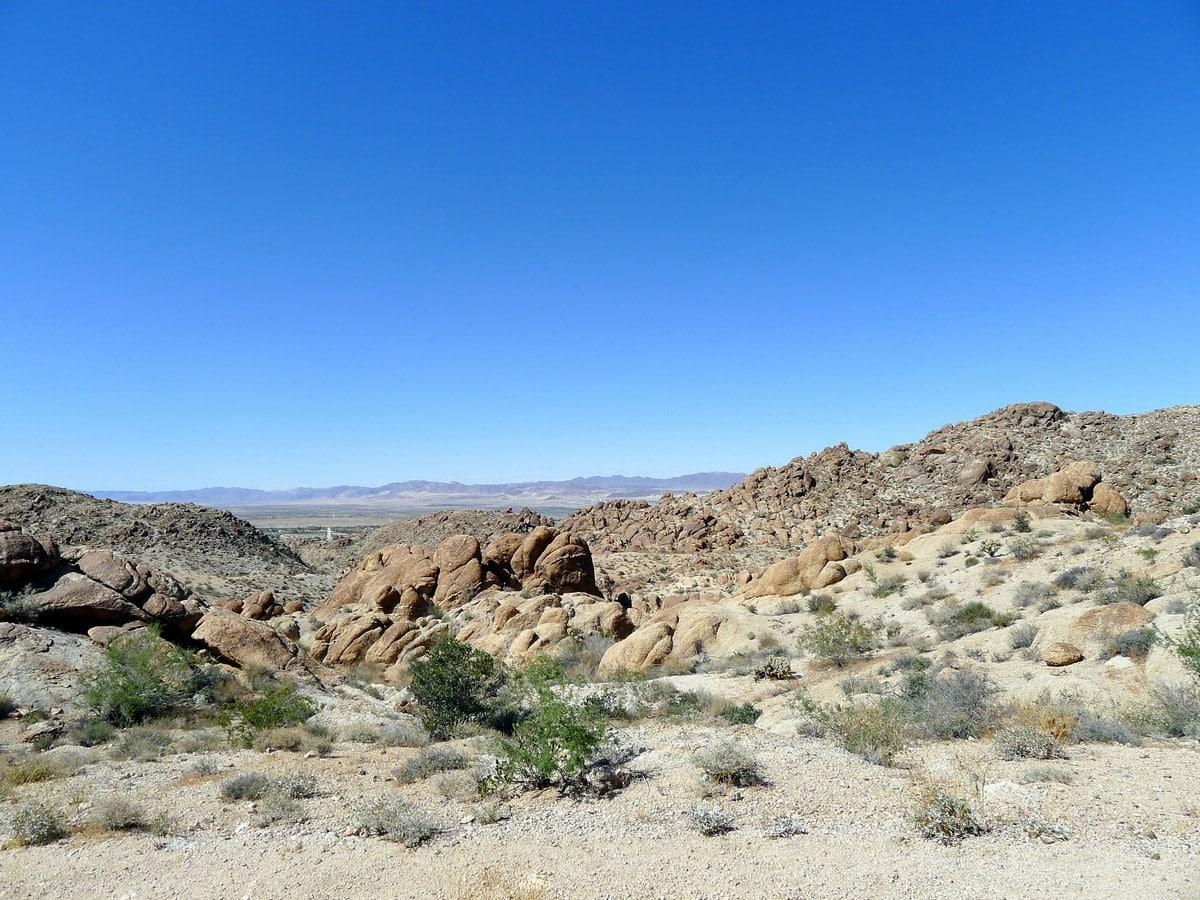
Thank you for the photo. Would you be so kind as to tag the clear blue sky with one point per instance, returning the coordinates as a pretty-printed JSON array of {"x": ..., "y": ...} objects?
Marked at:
[{"x": 297, "y": 243}]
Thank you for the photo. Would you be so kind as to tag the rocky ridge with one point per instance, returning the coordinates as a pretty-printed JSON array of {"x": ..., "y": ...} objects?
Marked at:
[{"x": 1151, "y": 459}]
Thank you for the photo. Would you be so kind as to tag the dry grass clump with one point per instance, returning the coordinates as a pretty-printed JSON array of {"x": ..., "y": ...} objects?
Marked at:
[
  {"x": 1025, "y": 742},
  {"x": 942, "y": 817},
  {"x": 395, "y": 820},
  {"x": 728, "y": 763},
  {"x": 427, "y": 762}
]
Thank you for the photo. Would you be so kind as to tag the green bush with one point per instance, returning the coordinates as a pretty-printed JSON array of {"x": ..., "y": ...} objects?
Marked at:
[
  {"x": 1187, "y": 647},
  {"x": 961, "y": 704},
  {"x": 1021, "y": 522},
  {"x": 554, "y": 745},
  {"x": 776, "y": 668},
  {"x": 1135, "y": 642},
  {"x": 741, "y": 714},
  {"x": 455, "y": 684},
  {"x": 91, "y": 731},
  {"x": 279, "y": 707},
  {"x": 839, "y": 639},
  {"x": 142, "y": 677},
  {"x": 1125, "y": 587}
]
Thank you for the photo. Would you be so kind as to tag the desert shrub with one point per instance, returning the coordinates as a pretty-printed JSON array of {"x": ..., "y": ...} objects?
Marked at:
[
  {"x": 959, "y": 704},
  {"x": 942, "y": 817},
  {"x": 1093, "y": 729},
  {"x": 280, "y": 706},
  {"x": 710, "y": 822},
  {"x": 857, "y": 684},
  {"x": 955, "y": 621},
  {"x": 1083, "y": 578},
  {"x": 142, "y": 676},
  {"x": 885, "y": 587},
  {"x": 141, "y": 744},
  {"x": 989, "y": 546},
  {"x": 1036, "y": 774},
  {"x": 1187, "y": 646},
  {"x": 1021, "y": 522},
  {"x": 19, "y": 606},
  {"x": 1191, "y": 557},
  {"x": 1024, "y": 548},
  {"x": 776, "y": 668},
  {"x": 427, "y": 762},
  {"x": 907, "y": 661},
  {"x": 117, "y": 814},
  {"x": 298, "y": 786},
  {"x": 1030, "y": 592},
  {"x": 728, "y": 763},
  {"x": 248, "y": 786},
  {"x": 1125, "y": 587},
  {"x": 1176, "y": 708},
  {"x": 785, "y": 826},
  {"x": 489, "y": 812},
  {"x": 455, "y": 684},
  {"x": 877, "y": 732},
  {"x": 821, "y": 604},
  {"x": 91, "y": 731},
  {"x": 1022, "y": 636},
  {"x": 279, "y": 807},
  {"x": 1026, "y": 742},
  {"x": 741, "y": 714},
  {"x": 393, "y": 819},
  {"x": 558, "y": 740},
  {"x": 839, "y": 639},
  {"x": 36, "y": 823},
  {"x": 1134, "y": 642},
  {"x": 28, "y": 770}
]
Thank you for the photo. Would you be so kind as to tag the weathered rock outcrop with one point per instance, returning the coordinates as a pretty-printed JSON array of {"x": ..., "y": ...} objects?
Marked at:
[
  {"x": 243, "y": 641},
  {"x": 1150, "y": 461},
  {"x": 817, "y": 566},
  {"x": 23, "y": 556},
  {"x": 1075, "y": 485}
]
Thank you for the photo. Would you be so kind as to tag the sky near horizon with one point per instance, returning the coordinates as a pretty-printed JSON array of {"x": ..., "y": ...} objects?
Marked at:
[{"x": 283, "y": 244}]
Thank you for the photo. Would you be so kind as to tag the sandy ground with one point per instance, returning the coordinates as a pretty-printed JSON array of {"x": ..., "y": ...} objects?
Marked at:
[{"x": 1127, "y": 825}]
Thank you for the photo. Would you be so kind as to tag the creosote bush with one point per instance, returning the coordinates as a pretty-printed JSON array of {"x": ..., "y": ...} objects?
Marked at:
[
  {"x": 839, "y": 639},
  {"x": 142, "y": 676},
  {"x": 455, "y": 684},
  {"x": 279, "y": 707}
]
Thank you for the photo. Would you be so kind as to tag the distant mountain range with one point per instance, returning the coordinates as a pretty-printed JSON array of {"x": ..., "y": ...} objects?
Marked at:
[{"x": 431, "y": 494}]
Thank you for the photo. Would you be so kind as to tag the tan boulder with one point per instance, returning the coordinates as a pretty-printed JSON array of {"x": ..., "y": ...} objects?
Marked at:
[
  {"x": 1093, "y": 630},
  {"x": 243, "y": 641},
  {"x": 460, "y": 570},
  {"x": 566, "y": 566},
  {"x": 526, "y": 556},
  {"x": 1061, "y": 654},
  {"x": 803, "y": 572},
  {"x": 501, "y": 549},
  {"x": 22, "y": 555},
  {"x": 75, "y": 602},
  {"x": 111, "y": 571},
  {"x": 646, "y": 647},
  {"x": 1107, "y": 502}
]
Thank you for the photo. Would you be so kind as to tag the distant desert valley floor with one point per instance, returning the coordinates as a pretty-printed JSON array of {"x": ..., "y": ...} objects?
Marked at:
[{"x": 966, "y": 666}]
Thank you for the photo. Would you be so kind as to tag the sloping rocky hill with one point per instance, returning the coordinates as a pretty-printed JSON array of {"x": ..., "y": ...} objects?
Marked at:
[
  {"x": 1150, "y": 458},
  {"x": 177, "y": 537}
]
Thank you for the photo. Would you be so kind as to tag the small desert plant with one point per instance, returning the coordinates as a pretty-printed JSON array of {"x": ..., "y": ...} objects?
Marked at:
[
  {"x": 821, "y": 604},
  {"x": 393, "y": 819},
  {"x": 280, "y": 706},
  {"x": 877, "y": 732},
  {"x": 1125, "y": 587},
  {"x": 1187, "y": 646},
  {"x": 427, "y": 762},
  {"x": 1134, "y": 643},
  {"x": 989, "y": 546},
  {"x": 1093, "y": 729},
  {"x": 839, "y": 639},
  {"x": 91, "y": 731},
  {"x": 455, "y": 684},
  {"x": 1021, "y": 522},
  {"x": 29, "y": 770},
  {"x": 776, "y": 668},
  {"x": 710, "y": 822},
  {"x": 741, "y": 714},
  {"x": 142, "y": 676},
  {"x": 955, "y": 620},
  {"x": 1024, "y": 548},
  {"x": 1191, "y": 558},
  {"x": 36, "y": 823},
  {"x": 141, "y": 744},
  {"x": 1030, "y": 592},
  {"x": 117, "y": 814},
  {"x": 1026, "y": 742},
  {"x": 951, "y": 704},
  {"x": 249, "y": 786},
  {"x": 785, "y": 826},
  {"x": 1036, "y": 774},
  {"x": 728, "y": 763},
  {"x": 942, "y": 817},
  {"x": 887, "y": 586},
  {"x": 1022, "y": 636},
  {"x": 1176, "y": 707}
]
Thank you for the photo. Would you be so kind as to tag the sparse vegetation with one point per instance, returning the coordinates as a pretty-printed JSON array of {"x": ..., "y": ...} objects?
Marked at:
[
  {"x": 1026, "y": 742},
  {"x": 1125, "y": 587},
  {"x": 728, "y": 763},
  {"x": 142, "y": 676},
  {"x": 839, "y": 639},
  {"x": 710, "y": 822},
  {"x": 427, "y": 762},
  {"x": 280, "y": 706},
  {"x": 942, "y": 817},
  {"x": 36, "y": 823},
  {"x": 395, "y": 820}
]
